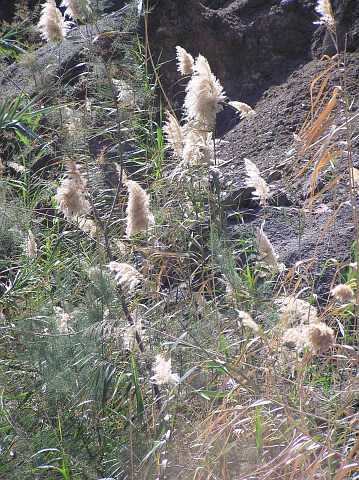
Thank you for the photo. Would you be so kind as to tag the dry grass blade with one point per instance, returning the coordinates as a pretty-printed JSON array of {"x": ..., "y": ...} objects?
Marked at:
[
  {"x": 319, "y": 127},
  {"x": 332, "y": 217},
  {"x": 310, "y": 118},
  {"x": 326, "y": 158},
  {"x": 327, "y": 187}
]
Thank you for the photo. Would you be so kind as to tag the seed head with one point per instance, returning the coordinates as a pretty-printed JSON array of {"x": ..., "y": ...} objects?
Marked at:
[
  {"x": 76, "y": 9},
  {"x": 52, "y": 24},
  {"x": 204, "y": 95},
  {"x": 266, "y": 249},
  {"x": 31, "y": 246},
  {"x": 163, "y": 372},
  {"x": 71, "y": 194},
  {"x": 185, "y": 61},
  {"x": 244, "y": 109},
  {"x": 254, "y": 180},
  {"x": 318, "y": 337},
  {"x": 126, "y": 275},
  {"x": 325, "y": 12},
  {"x": 138, "y": 212},
  {"x": 342, "y": 293}
]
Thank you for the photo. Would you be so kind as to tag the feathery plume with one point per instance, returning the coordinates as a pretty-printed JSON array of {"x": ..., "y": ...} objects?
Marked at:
[
  {"x": 126, "y": 274},
  {"x": 244, "y": 109},
  {"x": 185, "y": 61},
  {"x": 297, "y": 311},
  {"x": 266, "y": 249},
  {"x": 52, "y": 24},
  {"x": 88, "y": 226},
  {"x": 204, "y": 95},
  {"x": 62, "y": 320},
  {"x": 174, "y": 134},
  {"x": 325, "y": 12},
  {"x": 318, "y": 337},
  {"x": 30, "y": 245},
  {"x": 126, "y": 94},
  {"x": 76, "y": 9},
  {"x": 254, "y": 180},
  {"x": 139, "y": 216},
  {"x": 342, "y": 293},
  {"x": 163, "y": 372},
  {"x": 71, "y": 194},
  {"x": 247, "y": 320},
  {"x": 198, "y": 148},
  {"x": 129, "y": 334}
]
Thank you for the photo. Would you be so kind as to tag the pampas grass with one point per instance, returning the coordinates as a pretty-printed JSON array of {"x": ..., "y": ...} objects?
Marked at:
[
  {"x": 174, "y": 134},
  {"x": 31, "y": 245},
  {"x": 126, "y": 274},
  {"x": 254, "y": 180},
  {"x": 138, "y": 212},
  {"x": 204, "y": 95},
  {"x": 76, "y": 9},
  {"x": 266, "y": 250},
  {"x": 325, "y": 12},
  {"x": 185, "y": 61},
  {"x": 52, "y": 24},
  {"x": 244, "y": 109},
  {"x": 71, "y": 194}
]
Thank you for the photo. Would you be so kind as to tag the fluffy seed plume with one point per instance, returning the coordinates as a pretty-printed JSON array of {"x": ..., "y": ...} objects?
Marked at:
[
  {"x": 325, "y": 12},
  {"x": 126, "y": 95},
  {"x": 342, "y": 293},
  {"x": 62, "y": 320},
  {"x": 254, "y": 180},
  {"x": 318, "y": 337},
  {"x": 129, "y": 334},
  {"x": 174, "y": 134},
  {"x": 244, "y": 109},
  {"x": 76, "y": 9},
  {"x": 198, "y": 148},
  {"x": 204, "y": 95},
  {"x": 52, "y": 24},
  {"x": 30, "y": 245},
  {"x": 297, "y": 311},
  {"x": 88, "y": 226},
  {"x": 126, "y": 274},
  {"x": 266, "y": 249},
  {"x": 247, "y": 320},
  {"x": 163, "y": 372},
  {"x": 138, "y": 212},
  {"x": 185, "y": 61},
  {"x": 71, "y": 195}
]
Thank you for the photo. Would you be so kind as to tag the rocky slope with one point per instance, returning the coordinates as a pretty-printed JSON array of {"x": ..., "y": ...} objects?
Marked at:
[{"x": 267, "y": 54}]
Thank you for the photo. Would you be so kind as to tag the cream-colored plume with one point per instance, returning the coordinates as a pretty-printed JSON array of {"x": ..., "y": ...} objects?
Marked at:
[
  {"x": 76, "y": 9},
  {"x": 325, "y": 12},
  {"x": 163, "y": 372},
  {"x": 266, "y": 249},
  {"x": 71, "y": 194},
  {"x": 138, "y": 212},
  {"x": 318, "y": 337},
  {"x": 185, "y": 61},
  {"x": 254, "y": 180},
  {"x": 52, "y": 24},
  {"x": 174, "y": 134},
  {"x": 31, "y": 245},
  {"x": 126, "y": 274},
  {"x": 204, "y": 95},
  {"x": 244, "y": 109}
]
